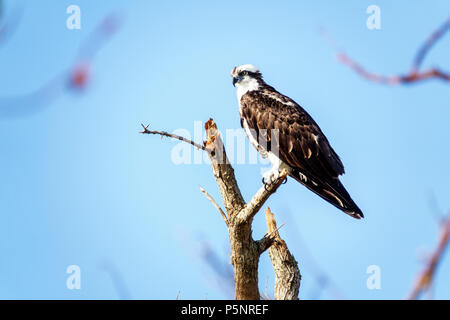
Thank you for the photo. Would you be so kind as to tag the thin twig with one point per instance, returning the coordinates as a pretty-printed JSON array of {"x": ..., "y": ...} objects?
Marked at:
[
  {"x": 429, "y": 43},
  {"x": 171, "y": 135},
  {"x": 210, "y": 198}
]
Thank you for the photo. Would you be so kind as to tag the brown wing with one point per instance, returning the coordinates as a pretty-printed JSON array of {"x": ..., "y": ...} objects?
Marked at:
[{"x": 302, "y": 144}]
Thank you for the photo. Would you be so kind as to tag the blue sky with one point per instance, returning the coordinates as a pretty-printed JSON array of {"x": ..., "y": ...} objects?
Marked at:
[{"x": 81, "y": 186}]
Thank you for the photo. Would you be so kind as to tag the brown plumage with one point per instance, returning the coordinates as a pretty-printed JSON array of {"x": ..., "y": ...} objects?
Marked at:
[{"x": 300, "y": 142}]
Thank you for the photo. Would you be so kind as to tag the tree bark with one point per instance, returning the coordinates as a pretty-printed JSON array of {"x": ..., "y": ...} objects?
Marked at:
[{"x": 287, "y": 274}]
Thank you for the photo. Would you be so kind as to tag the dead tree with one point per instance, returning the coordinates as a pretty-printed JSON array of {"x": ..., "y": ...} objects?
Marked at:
[{"x": 238, "y": 217}]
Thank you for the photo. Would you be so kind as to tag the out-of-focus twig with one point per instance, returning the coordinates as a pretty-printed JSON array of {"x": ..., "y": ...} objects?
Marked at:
[
  {"x": 221, "y": 268},
  {"x": 75, "y": 78},
  {"x": 429, "y": 43},
  {"x": 323, "y": 280},
  {"x": 10, "y": 22},
  {"x": 426, "y": 276},
  {"x": 414, "y": 75},
  {"x": 220, "y": 273},
  {"x": 117, "y": 279},
  {"x": 434, "y": 208}
]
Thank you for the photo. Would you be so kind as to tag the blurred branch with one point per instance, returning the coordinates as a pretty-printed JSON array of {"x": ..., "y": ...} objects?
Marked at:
[
  {"x": 245, "y": 251},
  {"x": 221, "y": 275},
  {"x": 323, "y": 280},
  {"x": 9, "y": 23},
  {"x": 117, "y": 279},
  {"x": 221, "y": 268},
  {"x": 429, "y": 43},
  {"x": 414, "y": 75},
  {"x": 74, "y": 78},
  {"x": 426, "y": 276},
  {"x": 107, "y": 27}
]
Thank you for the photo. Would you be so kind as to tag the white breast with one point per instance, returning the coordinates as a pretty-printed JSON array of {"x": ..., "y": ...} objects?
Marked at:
[{"x": 245, "y": 86}]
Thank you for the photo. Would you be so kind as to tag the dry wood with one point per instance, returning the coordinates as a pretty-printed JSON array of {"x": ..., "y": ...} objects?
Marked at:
[{"x": 287, "y": 274}]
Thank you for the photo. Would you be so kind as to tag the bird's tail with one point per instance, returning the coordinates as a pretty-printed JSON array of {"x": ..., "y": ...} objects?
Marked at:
[{"x": 332, "y": 191}]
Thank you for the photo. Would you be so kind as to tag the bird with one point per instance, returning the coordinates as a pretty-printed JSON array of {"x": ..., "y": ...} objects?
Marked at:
[{"x": 282, "y": 131}]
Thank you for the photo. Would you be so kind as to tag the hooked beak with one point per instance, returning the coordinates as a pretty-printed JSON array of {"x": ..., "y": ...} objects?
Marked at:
[{"x": 235, "y": 79}]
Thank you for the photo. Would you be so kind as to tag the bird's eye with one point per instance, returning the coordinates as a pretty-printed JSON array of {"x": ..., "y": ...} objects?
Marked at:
[{"x": 243, "y": 73}]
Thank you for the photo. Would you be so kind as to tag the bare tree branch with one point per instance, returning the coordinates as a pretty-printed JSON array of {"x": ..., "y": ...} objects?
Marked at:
[
  {"x": 429, "y": 43},
  {"x": 426, "y": 276},
  {"x": 414, "y": 75},
  {"x": 287, "y": 273},
  {"x": 170, "y": 135},
  {"x": 210, "y": 198}
]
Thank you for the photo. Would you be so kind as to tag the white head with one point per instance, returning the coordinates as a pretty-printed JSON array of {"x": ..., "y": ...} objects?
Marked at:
[{"x": 246, "y": 78}]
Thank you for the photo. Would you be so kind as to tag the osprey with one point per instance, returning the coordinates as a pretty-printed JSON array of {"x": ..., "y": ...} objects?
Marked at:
[{"x": 282, "y": 131}]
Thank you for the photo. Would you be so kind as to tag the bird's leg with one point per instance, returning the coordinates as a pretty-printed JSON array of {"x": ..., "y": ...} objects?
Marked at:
[
  {"x": 271, "y": 175},
  {"x": 278, "y": 168}
]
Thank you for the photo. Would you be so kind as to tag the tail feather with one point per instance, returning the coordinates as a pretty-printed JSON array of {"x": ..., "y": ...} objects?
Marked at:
[{"x": 332, "y": 191}]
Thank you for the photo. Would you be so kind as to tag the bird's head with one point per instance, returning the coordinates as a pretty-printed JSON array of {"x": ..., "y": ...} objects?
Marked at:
[{"x": 243, "y": 75}]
